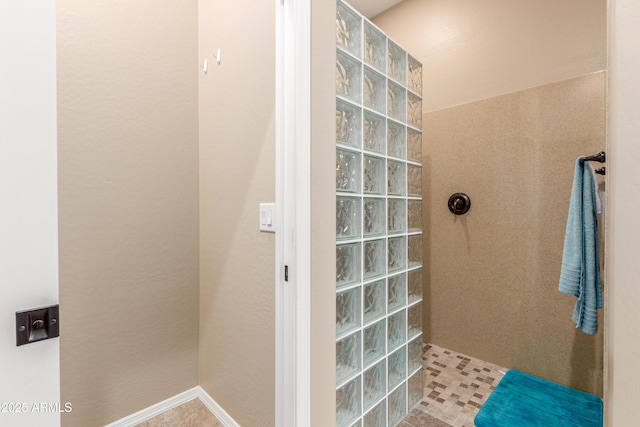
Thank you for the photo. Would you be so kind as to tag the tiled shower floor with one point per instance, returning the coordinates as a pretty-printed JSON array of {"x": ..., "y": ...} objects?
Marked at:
[{"x": 455, "y": 387}]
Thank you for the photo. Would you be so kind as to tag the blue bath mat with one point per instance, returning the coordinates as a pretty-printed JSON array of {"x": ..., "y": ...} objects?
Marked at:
[{"x": 522, "y": 400}]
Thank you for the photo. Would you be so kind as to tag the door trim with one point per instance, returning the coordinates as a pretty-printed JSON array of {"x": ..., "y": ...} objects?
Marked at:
[{"x": 293, "y": 206}]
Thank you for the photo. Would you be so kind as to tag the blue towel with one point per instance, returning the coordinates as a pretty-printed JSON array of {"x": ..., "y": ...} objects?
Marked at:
[{"x": 580, "y": 273}]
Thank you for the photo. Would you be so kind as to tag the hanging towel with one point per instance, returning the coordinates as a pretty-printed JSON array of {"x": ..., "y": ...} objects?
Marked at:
[
  {"x": 580, "y": 273},
  {"x": 598, "y": 199}
]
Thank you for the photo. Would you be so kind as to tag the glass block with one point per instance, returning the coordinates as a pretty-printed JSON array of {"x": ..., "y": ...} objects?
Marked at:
[
  {"x": 396, "y": 330},
  {"x": 374, "y": 259},
  {"x": 347, "y": 264},
  {"x": 415, "y": 390},
  {"x": 397, "y": 367},
  {"x": 347, "y": 311},
  {"x": 396, "y": 178},
  {"x": 414, "y": 145},
  {"x": 414, "y": 215},
  {"x": 374, "y": 384},
  {"x": 374, "y": 342},
  {"x": 398, "y": 404},
  {"x": 374, "y": 135},
  {"x": 347, "y": 217},
  {"x": 396, "y": 216},
  {"x": 375, "y": 47},
  {"x": 414, "y": 110},
  {"x": 396, "y": 140},
  {"x": 414, "y": 76},
  {"x": 377, "y": 417},
  {"x": 348, "y": 75},
  {"x": 414, "y": 354},
  {"x": 414, "y": 320},
  {"x": 396, "y": 292},
  {"x": 348, "y": 124},
  {"x": 373, "y": 175},
  {"x": 397, "y": 63},
  {"x": 374, "y": 301},
  {"x": 348, "y": 29},
  {"x": 396, "y": 101},
  {"x": 348, "y": 407},
  {"x": 347, "y": 357},
  {"x": 396, "y": 249},
  {"x": 415, "y": 250},
  {"x": 374, "y": 217},
  {"x": 414, "y": 285},
  {"x": 414, "y": 180},
  {"x": 374, "y": 90},
  {"x": 347, "y": 171}
]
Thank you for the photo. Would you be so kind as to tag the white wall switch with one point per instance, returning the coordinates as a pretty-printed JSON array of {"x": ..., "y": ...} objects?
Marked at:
[{"x": 268, "y": 217}]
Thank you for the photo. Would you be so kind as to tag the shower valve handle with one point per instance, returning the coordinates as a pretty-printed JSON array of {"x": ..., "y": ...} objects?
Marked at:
[{"x": 459, "y": 203}]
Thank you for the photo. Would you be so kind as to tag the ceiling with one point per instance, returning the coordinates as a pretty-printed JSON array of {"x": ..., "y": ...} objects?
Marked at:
[{"x": 371, "y": 8}]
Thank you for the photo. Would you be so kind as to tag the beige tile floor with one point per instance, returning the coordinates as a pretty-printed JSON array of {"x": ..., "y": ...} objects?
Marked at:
[
  {"x": 190, "y": 414},
  {"x": 456, "y": 386}
]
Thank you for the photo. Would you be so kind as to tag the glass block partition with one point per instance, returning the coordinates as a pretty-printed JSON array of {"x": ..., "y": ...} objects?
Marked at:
[{"x": 378, "y": 225}]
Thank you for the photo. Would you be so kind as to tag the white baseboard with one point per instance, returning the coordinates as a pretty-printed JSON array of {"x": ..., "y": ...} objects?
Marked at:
[
  {"x": 217, "y": 410},
  {"x": 177, "y": 400}
]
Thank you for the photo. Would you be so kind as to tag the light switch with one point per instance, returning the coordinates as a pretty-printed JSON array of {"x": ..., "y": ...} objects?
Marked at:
[{"x": 268, "y": 217}]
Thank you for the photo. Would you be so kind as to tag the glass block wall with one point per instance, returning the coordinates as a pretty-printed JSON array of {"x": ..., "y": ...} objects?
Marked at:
[{"x": 378, "y": 225}]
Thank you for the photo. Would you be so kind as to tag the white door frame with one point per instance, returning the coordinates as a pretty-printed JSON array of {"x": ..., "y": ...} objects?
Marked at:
[
  {"x": 29, "y": 211},
  {"x": 293, "y": 211}
]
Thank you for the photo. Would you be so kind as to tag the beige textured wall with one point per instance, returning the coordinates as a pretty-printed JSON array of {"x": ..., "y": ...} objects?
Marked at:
[
  {"x": 128, "y": 205},
  {"x": 482, "y": 285},
  {"x": 476, "y": 49},
  {"x": 323, "y": 217},
  {"x": 237, "y": 172},
  {"x": 493, "y": 275}
]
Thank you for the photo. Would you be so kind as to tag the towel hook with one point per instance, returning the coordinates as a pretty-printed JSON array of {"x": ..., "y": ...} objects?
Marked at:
[
  {"x": 205, "y": 65},
  {"x": 601, "y": 157}
]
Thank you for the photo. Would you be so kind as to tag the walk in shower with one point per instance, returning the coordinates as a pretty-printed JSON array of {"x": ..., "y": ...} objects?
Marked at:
[{"x": 378, "y": 225}]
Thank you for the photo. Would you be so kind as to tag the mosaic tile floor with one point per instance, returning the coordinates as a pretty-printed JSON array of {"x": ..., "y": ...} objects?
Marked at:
[{"x": 456, "y": 386}]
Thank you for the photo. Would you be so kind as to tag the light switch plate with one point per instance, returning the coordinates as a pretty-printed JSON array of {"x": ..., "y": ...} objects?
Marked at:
[{"x": 268, "y": 217}]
